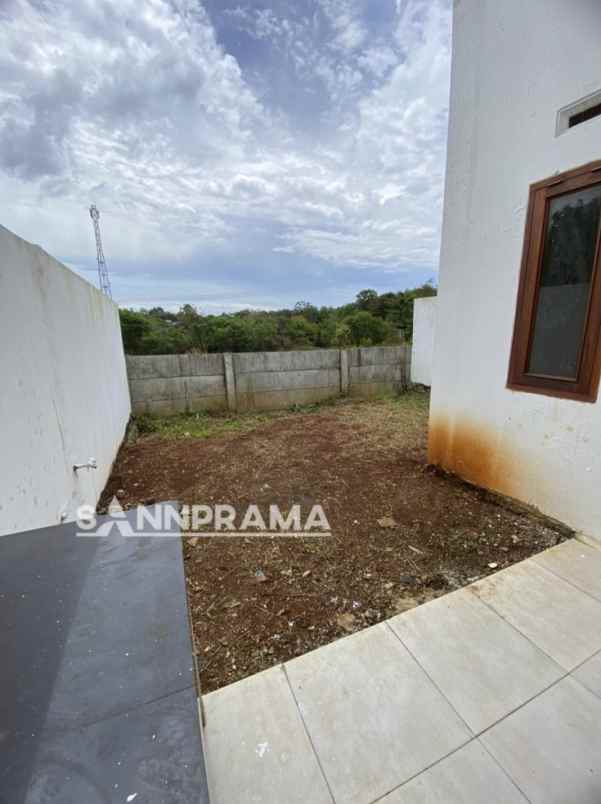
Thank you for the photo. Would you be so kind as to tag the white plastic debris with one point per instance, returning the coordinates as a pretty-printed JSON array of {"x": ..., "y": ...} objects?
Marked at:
[{"x": 261, "y": 749}]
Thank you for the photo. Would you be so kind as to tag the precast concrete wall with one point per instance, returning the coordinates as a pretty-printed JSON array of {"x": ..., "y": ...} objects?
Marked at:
[
  {"x": 166, "y": 384},
  {"x": 176, "y": 383}
]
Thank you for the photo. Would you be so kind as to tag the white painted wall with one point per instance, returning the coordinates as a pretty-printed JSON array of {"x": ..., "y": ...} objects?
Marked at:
[
  {"x": 64, "y": 395},
  {"x": 422, "y": 347},
  {"x": 515, "y": 64}
]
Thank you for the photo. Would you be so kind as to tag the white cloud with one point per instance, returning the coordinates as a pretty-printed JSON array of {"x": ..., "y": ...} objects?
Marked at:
[
  {"x": 378, "y": 60},
  {"x": 135, "y": 106},
  {"x": 349, "y": 30}
]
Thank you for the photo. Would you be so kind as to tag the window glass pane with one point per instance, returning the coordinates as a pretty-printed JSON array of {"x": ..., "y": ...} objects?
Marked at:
[{"x": 565, "y": 283}]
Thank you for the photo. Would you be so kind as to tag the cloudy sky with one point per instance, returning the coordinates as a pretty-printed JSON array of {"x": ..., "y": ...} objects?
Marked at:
[{"x": 241, "y": 152}]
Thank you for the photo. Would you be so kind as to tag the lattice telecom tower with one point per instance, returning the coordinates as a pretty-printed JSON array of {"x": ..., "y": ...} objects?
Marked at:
[{"x": 103, "y": 274}]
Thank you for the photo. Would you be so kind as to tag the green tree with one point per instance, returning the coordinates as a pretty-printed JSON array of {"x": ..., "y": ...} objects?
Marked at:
[
  {"x": 308, "y": 310},
  {"x": 157, "y": 331},
  {"x": 301, "y": 333},
  {"x": 165, "y": 315},
  {"x": 366, "y": 329},
  {"x": 163, "y": 341},
  {"x": 230, "y": 334},
  {"x": 326, "y": 332},
  {"x": 134, "y": 326},
  {"x": 264, "y": 336},
  {"x": 343, "y": 336},
  {"x": 365, "y": 299}
]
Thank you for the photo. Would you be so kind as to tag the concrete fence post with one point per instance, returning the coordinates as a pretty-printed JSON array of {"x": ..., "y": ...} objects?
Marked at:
[
  {"x": 230, "y": 381},
  {"x": 344, "y": 372}
]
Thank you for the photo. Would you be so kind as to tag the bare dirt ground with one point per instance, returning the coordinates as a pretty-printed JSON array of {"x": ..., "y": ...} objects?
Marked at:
[{"x": 403, "y": 533}]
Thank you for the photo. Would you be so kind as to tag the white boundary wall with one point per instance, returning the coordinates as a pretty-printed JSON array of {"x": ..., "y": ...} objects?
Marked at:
[
  {"x": 422, "y": 347},
  {"x": 64, "y": 395},
  {"x": 515, "y": 65}
]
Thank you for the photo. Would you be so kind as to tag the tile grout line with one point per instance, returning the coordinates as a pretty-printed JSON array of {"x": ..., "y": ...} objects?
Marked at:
[
  {"x": 476, "y": 735},
  {"x": 422, "y": 771},
  {"x": 565, "y": 674},
  {"x": 584, "y": 661},
  {"x": 306, "y": 729},
  {"x": 577, "y": 680},
  {"x": 431, "y": 680},
  {"x": 503, "y": 769},
  {"x": 523, "y": 704},
  {"x": 476, "y": 738},
  {"x": 518, "y": 631},
  {"x": 546, "y": 689},
  {"x": 513, "y": 711},
  {"x": 472, "y": 735},
  {"x": 566, "y": 580},
  {"x": 585, "y": 687},
  {"x": 443, "y": 759}
]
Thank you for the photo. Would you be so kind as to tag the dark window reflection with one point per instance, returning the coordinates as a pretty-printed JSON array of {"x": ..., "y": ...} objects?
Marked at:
[{"x": 565, "y": 283}]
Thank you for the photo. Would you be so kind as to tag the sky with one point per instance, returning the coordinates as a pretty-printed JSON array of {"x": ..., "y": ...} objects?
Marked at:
[{"x": 242, "y": 153}]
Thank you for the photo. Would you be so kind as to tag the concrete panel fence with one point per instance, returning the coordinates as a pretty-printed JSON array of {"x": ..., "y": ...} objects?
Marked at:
[{"x": 165, "y": 384}]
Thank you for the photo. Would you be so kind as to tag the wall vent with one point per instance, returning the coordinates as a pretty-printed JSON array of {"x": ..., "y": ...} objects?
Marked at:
[{"x": 578, "y": 112}]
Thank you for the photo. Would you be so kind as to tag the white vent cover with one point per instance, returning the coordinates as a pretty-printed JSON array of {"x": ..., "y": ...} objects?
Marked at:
[{"x": 578, "y": 112}]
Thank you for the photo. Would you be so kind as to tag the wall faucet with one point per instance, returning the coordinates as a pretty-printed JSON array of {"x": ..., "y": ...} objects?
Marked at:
[{"x": 91, "y": 464}]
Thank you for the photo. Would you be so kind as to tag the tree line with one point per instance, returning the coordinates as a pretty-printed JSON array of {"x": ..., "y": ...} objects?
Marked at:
[{"x": 370, "y": 320}]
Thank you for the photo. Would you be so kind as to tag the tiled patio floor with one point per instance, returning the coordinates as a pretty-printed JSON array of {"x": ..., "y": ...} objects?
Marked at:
[{"x": 489, "y": 694}]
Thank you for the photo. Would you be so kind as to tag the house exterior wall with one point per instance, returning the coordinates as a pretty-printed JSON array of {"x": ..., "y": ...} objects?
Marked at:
[
  {"x": 422, "y": 347},
  {"x": 64, "y": 395},
  {"x": 515, "y": 64}
]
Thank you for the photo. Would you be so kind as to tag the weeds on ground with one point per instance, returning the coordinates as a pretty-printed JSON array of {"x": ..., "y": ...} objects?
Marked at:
[
  {"x": 406, "y": 409},
  {"x": 393, "y": 421},
  {"x": 197, "y": 425}
]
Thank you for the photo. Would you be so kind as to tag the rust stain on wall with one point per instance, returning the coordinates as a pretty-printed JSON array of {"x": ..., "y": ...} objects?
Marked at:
[{"x": 475, "y": 452}]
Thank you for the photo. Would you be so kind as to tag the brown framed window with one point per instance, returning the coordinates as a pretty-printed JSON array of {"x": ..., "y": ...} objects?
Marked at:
[{"x": 556, "y": 346}]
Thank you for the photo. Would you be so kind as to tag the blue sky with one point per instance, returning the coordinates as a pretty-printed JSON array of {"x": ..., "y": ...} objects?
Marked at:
[{"x": 242, "y": 153}]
